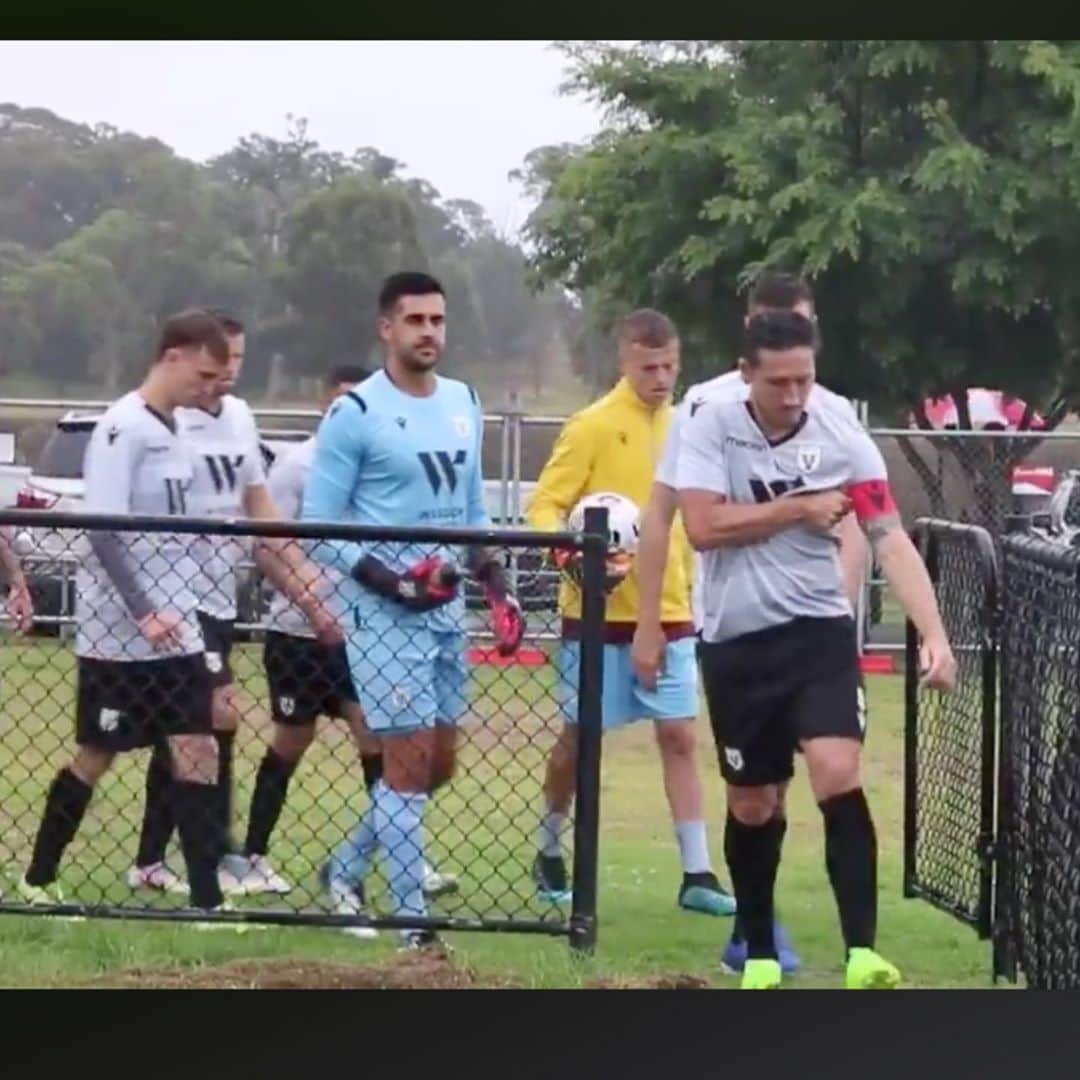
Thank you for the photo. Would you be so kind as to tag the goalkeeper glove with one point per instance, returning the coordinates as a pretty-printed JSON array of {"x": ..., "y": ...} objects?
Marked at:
[
  {"x": 427, "y": 585},
  {"x": 507, "y": 618}
]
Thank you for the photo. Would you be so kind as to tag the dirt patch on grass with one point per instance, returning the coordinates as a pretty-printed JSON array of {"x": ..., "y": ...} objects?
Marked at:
[{"x": 427, "y": 970}]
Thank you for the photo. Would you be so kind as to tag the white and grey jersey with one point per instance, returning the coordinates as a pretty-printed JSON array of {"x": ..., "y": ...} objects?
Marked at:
[
  {"x": 796, "y": 572},
  {"x": 288, "y": 475},
  {"x": 730, "y": 386},
  {"x": 135, "y": 463},
  {"x": 228, "y": 461}
]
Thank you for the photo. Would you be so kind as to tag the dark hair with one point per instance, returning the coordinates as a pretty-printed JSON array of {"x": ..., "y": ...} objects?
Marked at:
[
  {"x": 648, "y": 328},
  {"x": 779, "y": 292},
  {"x": 777, "y": 331},
  {"x": 407, "y": 283},
  {"x": 194, "y": 329},
  {"x": 229, "y": 322},
  {"x": 345, "y": 373}
]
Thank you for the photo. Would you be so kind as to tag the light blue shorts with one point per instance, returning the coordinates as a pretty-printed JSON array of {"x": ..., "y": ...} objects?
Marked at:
[
  {"x": 407, "y": 676},
  {"x": 625, "y": 699}
]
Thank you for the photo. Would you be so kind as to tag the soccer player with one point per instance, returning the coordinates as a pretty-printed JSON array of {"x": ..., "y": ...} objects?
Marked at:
[
  {"x": 142, "y": 668},
  {"x": 403, "y": 449},
  {"x": 771, "y": 292},
  {"x": 19, "y": 605},
  {"x": 613, "y": 446},
  {"x": 228, "y": 481},
  {"x": 308, "y": 679},
  {"x": 762, "y": 486}
]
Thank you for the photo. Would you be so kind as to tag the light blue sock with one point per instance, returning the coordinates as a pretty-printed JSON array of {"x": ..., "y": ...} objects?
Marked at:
[
  {"x": 351, "y": 860},
  {"x": 400, "y": 826}
]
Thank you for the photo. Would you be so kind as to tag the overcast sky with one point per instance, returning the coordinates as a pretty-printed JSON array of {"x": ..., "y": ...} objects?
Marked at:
[{"x": 461, "y": 114}]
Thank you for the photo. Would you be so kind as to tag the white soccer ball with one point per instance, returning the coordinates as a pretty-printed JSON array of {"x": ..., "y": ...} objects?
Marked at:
[{"x": 624, "y": 519}]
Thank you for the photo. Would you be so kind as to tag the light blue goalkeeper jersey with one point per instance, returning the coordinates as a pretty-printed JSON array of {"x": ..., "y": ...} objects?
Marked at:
[{"x": 384, "y": 457}]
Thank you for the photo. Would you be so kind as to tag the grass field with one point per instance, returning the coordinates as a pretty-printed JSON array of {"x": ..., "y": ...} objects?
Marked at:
[{"x": 480, "y": 826}]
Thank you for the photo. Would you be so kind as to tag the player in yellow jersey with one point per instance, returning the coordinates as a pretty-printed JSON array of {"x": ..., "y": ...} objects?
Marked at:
[{"x": 613, "y": 446}]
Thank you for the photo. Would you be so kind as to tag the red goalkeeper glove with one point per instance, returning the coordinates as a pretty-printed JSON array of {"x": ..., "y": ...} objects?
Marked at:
[
  {"x": 507, "y": 618},
  {"x": 426, "y": 585}
]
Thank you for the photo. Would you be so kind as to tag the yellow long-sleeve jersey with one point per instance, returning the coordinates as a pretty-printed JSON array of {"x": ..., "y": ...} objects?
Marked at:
[{"x": 613, "y": 445}]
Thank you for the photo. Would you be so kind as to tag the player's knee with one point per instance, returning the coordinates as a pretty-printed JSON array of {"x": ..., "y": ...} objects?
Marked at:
[
  {"x": 832, "y": 765},
  {"x": 291, "y": 743},
  {"x": 753, "y": 805},
  {"x": 226, "y": 711},
  {"x": 194, "y": 758},
  {"x": 91, "y": 764},
  {"x": 676, "y": 738}
]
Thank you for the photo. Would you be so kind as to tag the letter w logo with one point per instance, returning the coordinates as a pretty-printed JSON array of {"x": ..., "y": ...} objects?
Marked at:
[
  {"x": 441, "y": 466},
  {"x": 774, "y": 489},
  {"x": 223, "y": 470}
]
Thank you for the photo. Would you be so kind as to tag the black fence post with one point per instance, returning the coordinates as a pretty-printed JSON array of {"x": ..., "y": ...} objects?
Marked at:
[
  {"x": 923, "y": 538},
  {"x": 583, "y": 928},
  {"x": 988, "y": 567}
]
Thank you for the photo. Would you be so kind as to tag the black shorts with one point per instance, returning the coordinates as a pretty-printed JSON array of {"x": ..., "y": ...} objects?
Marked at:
[
  {"x": 770, "y": 690},
  {"x": 306, "y": 679},
  {"x": 127, "y": 704},
  {"x": 218, "y": 641}
]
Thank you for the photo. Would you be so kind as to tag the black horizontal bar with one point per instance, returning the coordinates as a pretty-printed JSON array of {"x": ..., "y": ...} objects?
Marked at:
[
  {"x": 270, "y": 917},
  {"x": 300, "y": 530}
]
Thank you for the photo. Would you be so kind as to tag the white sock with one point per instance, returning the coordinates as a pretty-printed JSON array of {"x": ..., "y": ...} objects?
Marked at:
[
  {"x": 693, "y": 846},
  {"x": 551, "y": 825}
]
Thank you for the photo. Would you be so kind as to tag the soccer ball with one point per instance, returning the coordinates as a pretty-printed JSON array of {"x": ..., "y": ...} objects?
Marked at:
[{"x": 623, "y": 520}]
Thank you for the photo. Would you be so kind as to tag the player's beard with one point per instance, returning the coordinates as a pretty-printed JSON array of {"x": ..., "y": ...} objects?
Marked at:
[{"x": 410, "y": 359}]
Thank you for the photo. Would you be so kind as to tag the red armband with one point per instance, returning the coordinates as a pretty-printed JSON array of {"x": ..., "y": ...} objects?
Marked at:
[{"x": 872, "y": 499}]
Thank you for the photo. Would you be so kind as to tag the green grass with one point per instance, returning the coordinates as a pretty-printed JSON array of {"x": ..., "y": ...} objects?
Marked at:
[{"x": 480, "y": 827}]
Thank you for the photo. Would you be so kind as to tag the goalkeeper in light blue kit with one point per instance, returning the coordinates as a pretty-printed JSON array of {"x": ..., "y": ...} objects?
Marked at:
[{"x": 403, "y": 449}]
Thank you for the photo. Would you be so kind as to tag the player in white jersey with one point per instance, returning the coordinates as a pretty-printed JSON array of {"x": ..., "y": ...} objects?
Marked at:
[
  {"x": 771, "y": 292},
  {"x": 142, "y": 674},
  {"x": 762, "y": 485},
  {"x": 228, "y": 481}
]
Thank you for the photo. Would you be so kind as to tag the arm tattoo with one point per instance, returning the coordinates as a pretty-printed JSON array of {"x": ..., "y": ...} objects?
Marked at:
[{"x": 877, "y": 528}]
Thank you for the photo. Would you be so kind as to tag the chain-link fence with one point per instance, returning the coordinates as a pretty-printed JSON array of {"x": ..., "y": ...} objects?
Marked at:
[
  {"x": 992, "y": 798},
  {"x": 949, "y": 738},
  {"x": 1039, "y": 872},
  {"x": 116, "y": 765}
]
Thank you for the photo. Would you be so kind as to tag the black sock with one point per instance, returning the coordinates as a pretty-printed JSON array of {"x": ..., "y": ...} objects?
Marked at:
[
  {"x": 65, "y": 805},
  {"x": 753, "y": 857},
  {"x": 198, "y": 821},
  {"x": 851, "y": 859},
  {"x": 271, "y": 787},
  {"x": 225, "y": 740},
  {"x": 158, "y": 820},
  {"x": 738, "y": 931},
  {"x": 372, "y": 766}
]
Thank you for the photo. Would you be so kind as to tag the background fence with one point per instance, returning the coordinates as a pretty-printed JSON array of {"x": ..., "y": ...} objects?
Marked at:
[
  {"x": 481, "y": 827},
  {"x": 961, "y": 476},
  {"x": 992, "y": 800}
]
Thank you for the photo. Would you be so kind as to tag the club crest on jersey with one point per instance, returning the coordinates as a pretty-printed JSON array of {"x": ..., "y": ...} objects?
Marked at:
[
  {"x": 461, "y": 426},
  {"x": 808, "y": 458}
]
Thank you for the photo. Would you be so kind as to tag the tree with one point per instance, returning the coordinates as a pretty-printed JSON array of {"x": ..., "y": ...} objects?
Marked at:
[
  {"x": 930, "y": 190},
  {"x": 339, "y": 245}
]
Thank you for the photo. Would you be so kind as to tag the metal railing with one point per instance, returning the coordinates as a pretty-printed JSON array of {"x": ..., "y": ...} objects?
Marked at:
[{"x": 960, "y": 475}]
